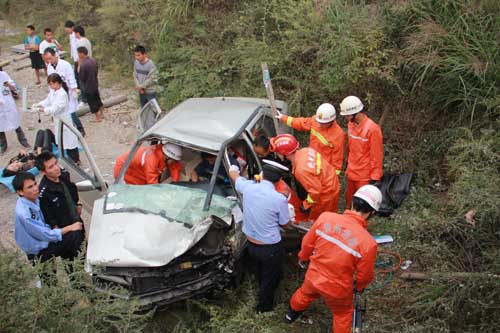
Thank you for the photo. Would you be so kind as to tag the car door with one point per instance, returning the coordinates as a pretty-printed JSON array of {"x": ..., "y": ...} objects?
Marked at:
[
  {"x": 86, "y": 175},
  {"x": 266, "y": 125},
  {"x": 272, "y": 127},
  {"x": 148, "y": 116}
]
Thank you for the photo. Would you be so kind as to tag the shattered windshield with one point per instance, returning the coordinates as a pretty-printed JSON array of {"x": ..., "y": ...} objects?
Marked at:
[{"x": 174, "y": 203}]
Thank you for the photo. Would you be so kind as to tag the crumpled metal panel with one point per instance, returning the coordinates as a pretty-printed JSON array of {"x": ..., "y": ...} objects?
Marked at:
[
  {"x": 138, "y": 240},
  {"x": 204, "y": 122}
]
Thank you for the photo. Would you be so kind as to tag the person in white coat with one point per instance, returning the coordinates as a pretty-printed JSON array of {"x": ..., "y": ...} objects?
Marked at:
[
  {"x": 56, "y": 105},
  {"x": 67, "y": 73},
  {"x": 9, "y": 117}
]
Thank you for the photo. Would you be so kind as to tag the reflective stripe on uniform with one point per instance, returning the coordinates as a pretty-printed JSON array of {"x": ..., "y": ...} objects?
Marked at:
[
  {"x": 289, "y": 121},
  {"x": 143, "y": 157},
  {"x": 318, "y": 163},
  {"x": 321, "y": 138},
  {"x": 338, "y": 243},
  {"x": 358, "y": 138},
  {"x": 309, "y": 199}
]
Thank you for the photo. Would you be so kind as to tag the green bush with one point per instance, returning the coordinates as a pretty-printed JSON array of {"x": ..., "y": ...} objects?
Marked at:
[
  {"x": 53, "y": 14},
  {"x": 313, "y": 56},
  {"x": 450, "y": 52},
  {"x": 62, "y": 306}
]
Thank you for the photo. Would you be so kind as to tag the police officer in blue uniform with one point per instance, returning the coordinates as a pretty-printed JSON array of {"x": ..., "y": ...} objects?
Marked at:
[{"x": 32, "y": 234}]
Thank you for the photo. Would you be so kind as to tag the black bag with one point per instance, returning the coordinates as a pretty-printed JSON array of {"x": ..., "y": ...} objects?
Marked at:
[{"x": 394, "y": 188}]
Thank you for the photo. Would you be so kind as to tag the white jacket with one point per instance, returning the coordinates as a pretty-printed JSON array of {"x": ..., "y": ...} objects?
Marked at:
[
  {"x": 67, "y": 73},
  {"x": 72, "y": 46},
  {"x": 56, "y": 105},
  {"x": 9, "y": 117}
]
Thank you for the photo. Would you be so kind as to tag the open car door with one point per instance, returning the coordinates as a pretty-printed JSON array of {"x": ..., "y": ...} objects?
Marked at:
[
  {"x": 86, "y": 174},
  {"x": 148, "y": 116}
]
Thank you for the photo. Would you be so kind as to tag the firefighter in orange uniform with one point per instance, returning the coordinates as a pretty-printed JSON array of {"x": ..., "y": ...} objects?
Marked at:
[
  {"x": 316, "y": 175},
  {"x": 149, "y": 163},
  {"x": 326, "y": 136},
  {"x": 365, "y": 151},
  {"x": 338, "y": 247}
]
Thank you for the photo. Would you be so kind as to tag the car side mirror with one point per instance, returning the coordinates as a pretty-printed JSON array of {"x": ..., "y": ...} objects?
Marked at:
[{"x": 85, "y": 185}]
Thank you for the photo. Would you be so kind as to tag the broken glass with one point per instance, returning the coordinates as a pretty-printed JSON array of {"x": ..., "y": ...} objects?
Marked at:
[{"x": 172, "y": 202}]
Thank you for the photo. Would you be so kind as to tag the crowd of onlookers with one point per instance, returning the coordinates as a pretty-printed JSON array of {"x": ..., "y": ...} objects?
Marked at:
[
  {"x": 79, "y": 81},
  {"x": 48, "y": 216}
]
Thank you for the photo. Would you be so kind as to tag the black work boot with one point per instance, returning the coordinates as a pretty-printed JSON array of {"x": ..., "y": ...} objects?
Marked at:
[
  {"x": 22, "y": 138},
  {"x": 292, "y": 315},
  {"x": 3, "y": 143}
]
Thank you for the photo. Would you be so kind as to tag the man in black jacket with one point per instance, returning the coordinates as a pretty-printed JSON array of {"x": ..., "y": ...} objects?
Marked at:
[{"x": 59, "y": 199}]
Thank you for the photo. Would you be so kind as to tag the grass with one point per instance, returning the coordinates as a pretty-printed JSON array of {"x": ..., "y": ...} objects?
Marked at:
[{"x": 69, "y": 303}]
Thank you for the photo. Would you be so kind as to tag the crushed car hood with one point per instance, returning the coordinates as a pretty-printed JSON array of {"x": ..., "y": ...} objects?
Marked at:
[{"x": 149, "y": 225}]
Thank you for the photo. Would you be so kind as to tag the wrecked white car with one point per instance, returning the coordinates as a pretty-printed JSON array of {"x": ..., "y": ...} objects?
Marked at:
[{"x": 171, "y": 241}]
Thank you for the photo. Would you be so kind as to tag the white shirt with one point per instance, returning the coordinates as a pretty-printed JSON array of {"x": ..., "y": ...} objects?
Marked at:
[
  {"x": 72, "y": 46},
  {"x": 67, "y": 73},
  {"x": 45, "y": 44},
  {"x": 83, "y": 41},
  {"x": 56, "y": 105},
  {"x": 9, "y": 117}
]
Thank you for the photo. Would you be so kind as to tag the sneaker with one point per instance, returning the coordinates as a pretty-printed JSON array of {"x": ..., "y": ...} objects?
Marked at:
[
  {"x": 292, "y": 315},
  {"x": 26, "y": 145}
]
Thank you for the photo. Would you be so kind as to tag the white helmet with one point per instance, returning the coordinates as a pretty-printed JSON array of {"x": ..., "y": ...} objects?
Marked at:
[
  {"x": 371, "y": 194},
  {"x": 325, "y": 113},
  {"x": 350, "y": 105},
  {"x": 172, "y": 151}
]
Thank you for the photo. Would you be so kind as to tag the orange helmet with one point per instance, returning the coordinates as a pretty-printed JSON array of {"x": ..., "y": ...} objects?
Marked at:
[{"x": 284, "y": 144}]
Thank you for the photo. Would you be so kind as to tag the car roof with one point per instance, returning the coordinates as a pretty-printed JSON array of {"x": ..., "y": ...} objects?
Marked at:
[{"x": 207, "y": 122}]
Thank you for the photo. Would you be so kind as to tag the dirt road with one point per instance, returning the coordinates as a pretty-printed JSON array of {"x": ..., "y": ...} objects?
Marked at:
[{"x": 106, "y": 140}]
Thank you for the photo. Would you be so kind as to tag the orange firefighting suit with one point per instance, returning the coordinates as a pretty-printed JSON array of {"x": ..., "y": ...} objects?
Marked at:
[
  {"x": 337, "y": 247},
  {"x": 328, "y": 141},
  {"x": 147, "y": 166},
  {"x": 365, "y": 153},
  {"x": 283, "y": 188},
  {"x": 320, "y": 181}
]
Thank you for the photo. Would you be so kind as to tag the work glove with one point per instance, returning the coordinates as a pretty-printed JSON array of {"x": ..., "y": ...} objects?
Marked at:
[
  {"x": 279, "y": 115},
  {"x": 36, "y": 107},
  {"x": 234, "y": 168},
  {"x": 304, "y": 210}
]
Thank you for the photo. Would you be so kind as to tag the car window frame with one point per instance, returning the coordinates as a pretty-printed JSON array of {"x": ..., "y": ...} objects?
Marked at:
[{"x": 97, "y": 180}]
